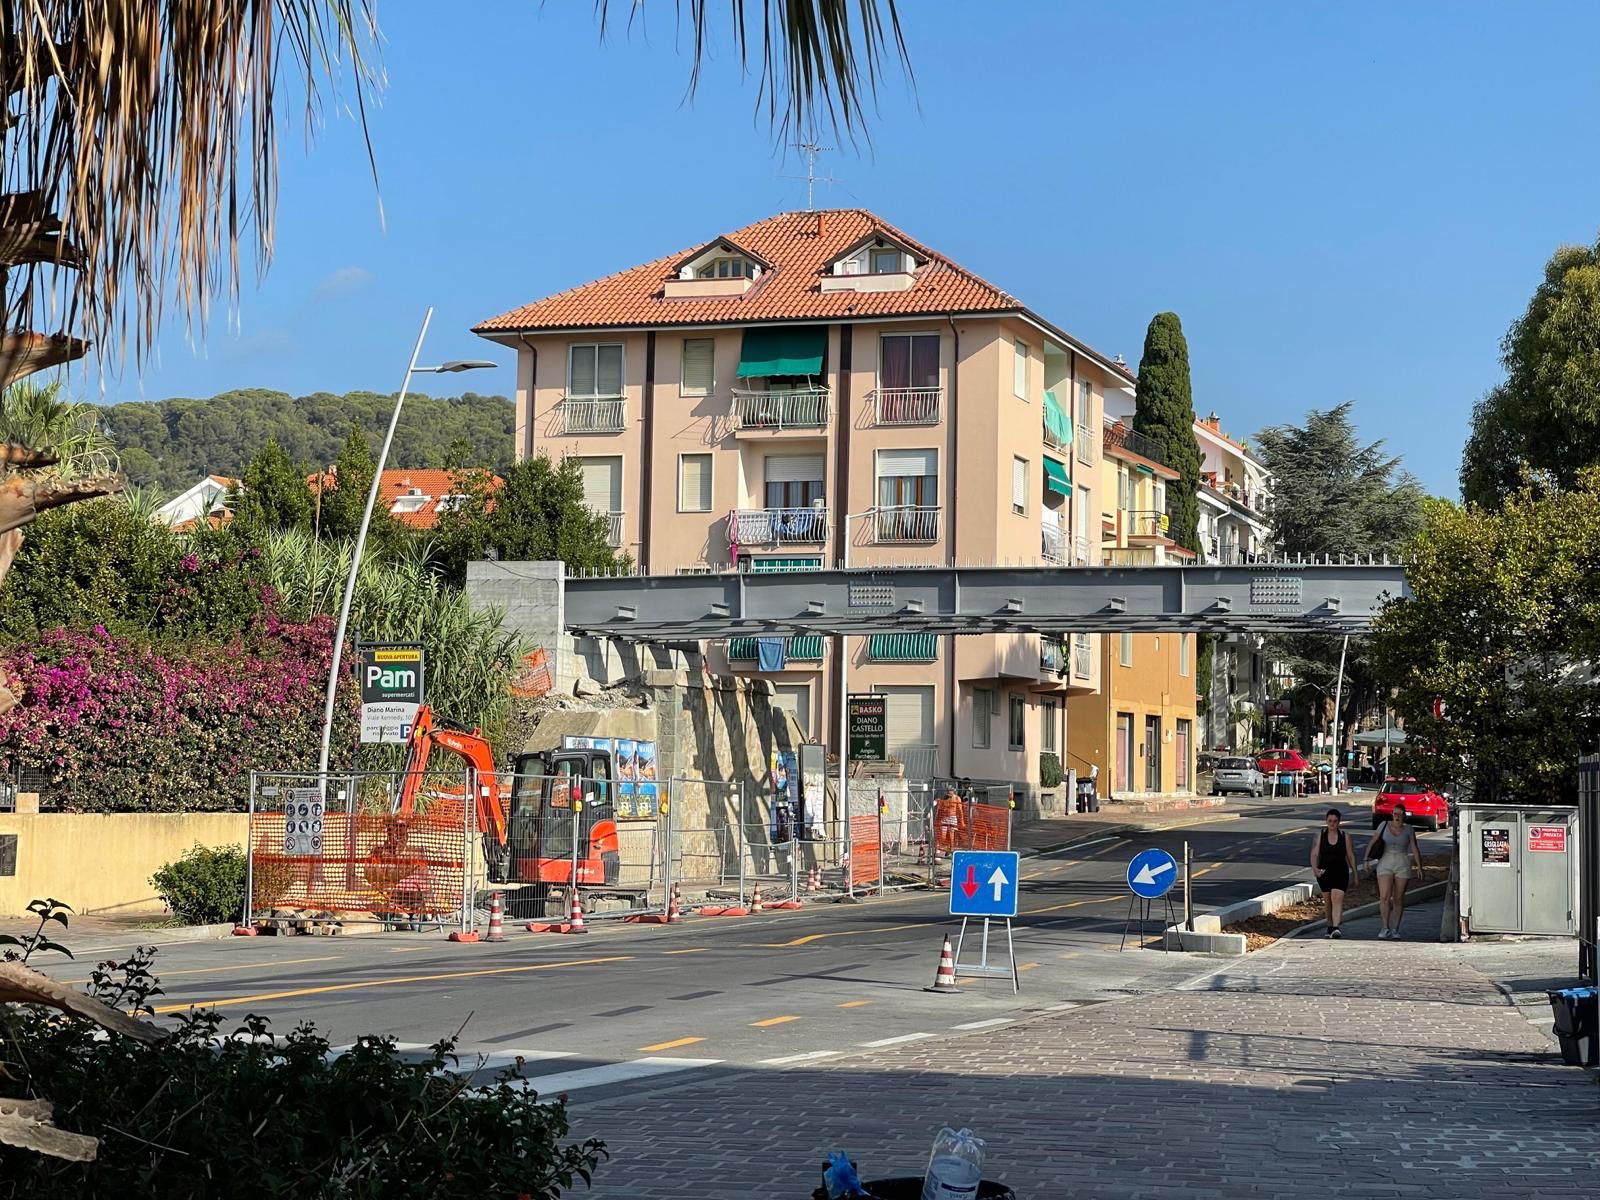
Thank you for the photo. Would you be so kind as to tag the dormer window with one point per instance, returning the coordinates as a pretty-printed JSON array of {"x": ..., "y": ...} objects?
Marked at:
[
  {"x": 728, "y": 268},
  {"x": 885, "y": 261},
  {"x": 875, "y": 265},
  {"x": 719, "y": 269}
]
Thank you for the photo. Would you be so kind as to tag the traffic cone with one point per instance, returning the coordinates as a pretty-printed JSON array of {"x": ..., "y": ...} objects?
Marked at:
[
  {"x": 497, "y": 930},
  {"x": 674, "y": 915},
  {"x": 814, "y": 880},
  {"x": 755, "y": 900},
  {"x": 576, "y": 925},
  {"x": 945, "y": 979}
]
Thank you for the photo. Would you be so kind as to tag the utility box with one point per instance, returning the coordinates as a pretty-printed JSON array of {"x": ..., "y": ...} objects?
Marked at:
[{"x": 1519, "y": 868}]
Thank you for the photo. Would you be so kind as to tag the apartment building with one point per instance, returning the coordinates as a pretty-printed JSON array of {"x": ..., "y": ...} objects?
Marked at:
[{"x": 821, "y": 388}]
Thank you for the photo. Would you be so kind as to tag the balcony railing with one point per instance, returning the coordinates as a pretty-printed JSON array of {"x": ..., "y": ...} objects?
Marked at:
[
  {"x": 1145, "y": 524},
  {"x": 1050, "y": 438},
  {"x": 614, "y": 533},
  {"x": 906, "y": 523},
  {"x": 1119, "y": 436},
  {"x": 907, "y": 406},
  {"x": 1082, "y": 658},
  {"x": 903, "y": 648},
  {"x": 1255, "y": 499},
  {"x": 1086, "y": 444},
  {"x": 808, "y": 409},
  {"x": 778, "y": 526},
  {"x": 1052, "y": 655},
  {"x": 1080, "y": 551},
  {"x": 804, "y": 648},
  {"x": 598, "y": 414},
  {"x": 1053, "y": 545},
  {"x": 918, "y": 762}
]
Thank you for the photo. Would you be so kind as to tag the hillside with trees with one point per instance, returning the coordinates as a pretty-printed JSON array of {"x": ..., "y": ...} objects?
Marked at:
[{"x": 166, "y": 445}]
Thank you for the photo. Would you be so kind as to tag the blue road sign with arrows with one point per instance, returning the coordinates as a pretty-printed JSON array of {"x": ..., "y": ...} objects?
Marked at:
[
  {"x": 983, "y": 883},
  {"x": 1152, "y": 873}
]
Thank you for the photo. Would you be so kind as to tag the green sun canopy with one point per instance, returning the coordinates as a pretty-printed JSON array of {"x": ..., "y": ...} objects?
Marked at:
[
  {"x": 1055, "y": 419},
  {"x": 1055, "y": 478},
  {"x": 782, "y": 350}
]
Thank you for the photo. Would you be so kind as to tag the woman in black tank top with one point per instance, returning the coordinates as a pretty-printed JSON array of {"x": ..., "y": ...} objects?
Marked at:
[{"x": 1333, "y": 861}]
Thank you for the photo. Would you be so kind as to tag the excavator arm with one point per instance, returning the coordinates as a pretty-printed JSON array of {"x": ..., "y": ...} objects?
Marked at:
[{"x": 425, "y": 736}]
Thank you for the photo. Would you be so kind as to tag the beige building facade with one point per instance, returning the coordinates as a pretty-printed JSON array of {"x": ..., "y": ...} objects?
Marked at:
[{"x": 819, "y": 389}]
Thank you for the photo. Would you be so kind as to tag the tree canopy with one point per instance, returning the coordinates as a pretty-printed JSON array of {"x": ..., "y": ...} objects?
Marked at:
[
  {"x": 1164, "y": 412},
  {"x": 274, "y": 493},
  {"x": 1542, "y": 424}
]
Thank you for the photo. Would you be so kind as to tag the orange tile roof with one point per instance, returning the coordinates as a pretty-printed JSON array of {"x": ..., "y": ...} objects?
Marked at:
[
  {"x": 402, "y": 481},
  {"x": 802, "y": 246}
]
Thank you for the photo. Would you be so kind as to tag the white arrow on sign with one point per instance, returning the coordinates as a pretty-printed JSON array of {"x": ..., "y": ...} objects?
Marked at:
[
  {"x": 1146, "y": 876},
  {"x": 999, "y": 880}
]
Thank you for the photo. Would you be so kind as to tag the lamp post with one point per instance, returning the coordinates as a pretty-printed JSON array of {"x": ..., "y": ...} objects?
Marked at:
[
  {"x": 447, "y": 368},
  {"x": 844, "y": 692}
]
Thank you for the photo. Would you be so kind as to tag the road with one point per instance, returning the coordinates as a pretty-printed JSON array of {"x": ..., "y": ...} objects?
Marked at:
[{"x": 630, "y": 1007}]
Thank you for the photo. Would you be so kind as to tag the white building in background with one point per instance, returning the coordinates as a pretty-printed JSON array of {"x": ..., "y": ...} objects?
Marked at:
[{"x": 207, "y": 499}]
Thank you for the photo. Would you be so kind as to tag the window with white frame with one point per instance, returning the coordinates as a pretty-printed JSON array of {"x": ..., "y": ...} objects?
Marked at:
[
  {"x": 1125, "y": 650},
  {"x": 1183, "y": 654},
  {"x": 1049, "y": 715},
  {"x": 1019, "y": 486},
  {"x": 1161, "y": 495},
  {"x": 728, "y": 268},
  {"x": 699, "y": 366},
  {"x": 1019, "y": 368},
  {"x": 1085, "y": 404},
  {"x": 1124, "y": 489},
  {"x": 594, "y": 370},
  {"x": 694, "y": 483},
  {"x": 982, "y": 717},
  {"x": 886, "y": 261},
  {"x": 1018, "y": 725}
]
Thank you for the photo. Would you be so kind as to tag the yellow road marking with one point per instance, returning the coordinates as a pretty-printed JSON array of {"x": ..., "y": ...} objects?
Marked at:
[
  {"x": 410, "y": 949},
  {"x": 1026, "y": 966},
  {"x": 854, "y": 1003},
  {"x": 1032, "y": 912},
  {"x": 814, "y": 937},
  {"x": 1068, "y": 954},
  {"x": 772, "y": 1021},
  {"x": 282, "y": 962},
  {"x": 372, "y": 983},
  {"x": 673, "y": 1045},
  {"x": 696, "y": 950}
]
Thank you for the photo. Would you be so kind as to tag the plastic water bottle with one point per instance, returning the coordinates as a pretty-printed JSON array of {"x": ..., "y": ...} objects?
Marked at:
[{"x": 955, "y": 1166}]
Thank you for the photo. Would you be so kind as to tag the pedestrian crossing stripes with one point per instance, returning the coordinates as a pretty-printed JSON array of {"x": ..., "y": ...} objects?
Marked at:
[{"x": 484, "y": 1065}]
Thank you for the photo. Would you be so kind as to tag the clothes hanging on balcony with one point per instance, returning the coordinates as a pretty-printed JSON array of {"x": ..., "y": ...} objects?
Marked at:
[
  {"x": 1055, "y": 420},
  {"x": 770, "y": 654}
]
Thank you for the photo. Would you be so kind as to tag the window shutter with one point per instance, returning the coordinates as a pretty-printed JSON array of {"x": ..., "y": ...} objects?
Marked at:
[
  {"x": 1019, "y": 369},
  {"x": 694, "y": 483},
  {"x": 602, "y": 484},
  {"x": 580, "y": 371},
  {"x": 1085, "y": 404},
  {"x": 795, "y": 468},
  {"x": 699, "y": 363},
  {"x": 906, "y": 463},
  {"x": 907, "y": 717},
  {"x": 608, "y": 371},
  {"x": 1019, "y": 483}
]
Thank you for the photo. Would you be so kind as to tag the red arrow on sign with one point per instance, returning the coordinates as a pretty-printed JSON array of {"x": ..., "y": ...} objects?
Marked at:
[{"x": 970, "y": 887}]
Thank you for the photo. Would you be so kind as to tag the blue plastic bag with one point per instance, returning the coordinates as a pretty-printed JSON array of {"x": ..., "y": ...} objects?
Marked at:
[{"x": 840, "y": 1178}]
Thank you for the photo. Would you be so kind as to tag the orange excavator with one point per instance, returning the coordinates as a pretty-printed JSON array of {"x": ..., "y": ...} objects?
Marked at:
[{"x": 533, "y": 844}]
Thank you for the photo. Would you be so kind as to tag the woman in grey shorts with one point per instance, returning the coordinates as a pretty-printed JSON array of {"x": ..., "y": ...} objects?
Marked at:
[{"x": 1395, "y": 848}]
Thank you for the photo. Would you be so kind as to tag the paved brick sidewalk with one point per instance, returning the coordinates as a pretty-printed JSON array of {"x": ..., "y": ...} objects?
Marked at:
[{"x": 1314, "y": 1068}]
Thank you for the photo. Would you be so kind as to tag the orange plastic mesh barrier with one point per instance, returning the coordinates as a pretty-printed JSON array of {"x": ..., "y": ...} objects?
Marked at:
[
  {"x": 990, "y": 828},
  {"x": 864, "y": 851},
  {"x": 532, "y": 678}
]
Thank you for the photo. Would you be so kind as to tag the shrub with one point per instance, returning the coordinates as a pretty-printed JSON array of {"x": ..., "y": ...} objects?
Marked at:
[
  {"x": 1049, "y": 770},
  {"x": 205, "y": 886}
]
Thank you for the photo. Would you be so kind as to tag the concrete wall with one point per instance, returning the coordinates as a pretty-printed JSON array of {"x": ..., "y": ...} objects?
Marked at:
[{"x": 102, "y": 863}]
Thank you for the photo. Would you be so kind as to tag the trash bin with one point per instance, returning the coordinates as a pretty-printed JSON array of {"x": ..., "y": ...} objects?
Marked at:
[
  {"x": 909, "y": 1187},
  {"x": 1577, "y": 1025}
]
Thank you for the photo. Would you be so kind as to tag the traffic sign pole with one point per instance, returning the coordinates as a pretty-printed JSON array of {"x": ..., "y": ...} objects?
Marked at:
[
  {"x": 985, "y": 883},
  {"x": 1188, "y": 892}
]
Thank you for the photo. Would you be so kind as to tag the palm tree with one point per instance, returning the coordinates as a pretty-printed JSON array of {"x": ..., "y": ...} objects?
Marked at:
[{"x": 35, "y": 415}]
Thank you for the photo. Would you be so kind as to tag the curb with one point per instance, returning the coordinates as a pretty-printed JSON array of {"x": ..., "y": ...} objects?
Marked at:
[
  {"x": 1427, "y": 891},
  {"x": 165, "y": 937}
]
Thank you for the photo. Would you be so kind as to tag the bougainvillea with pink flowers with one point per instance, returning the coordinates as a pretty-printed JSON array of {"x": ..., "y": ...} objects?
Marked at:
[{"x": 116, "y": 724}]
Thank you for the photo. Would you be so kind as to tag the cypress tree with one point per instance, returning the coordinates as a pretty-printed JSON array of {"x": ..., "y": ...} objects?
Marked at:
[{"x": 1164, "y": 412}]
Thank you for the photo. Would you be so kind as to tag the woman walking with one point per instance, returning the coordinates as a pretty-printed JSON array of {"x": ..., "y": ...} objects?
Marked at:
[
  {"x": 1395, "y": 847},
  {"x": 1333, "y": 860}
]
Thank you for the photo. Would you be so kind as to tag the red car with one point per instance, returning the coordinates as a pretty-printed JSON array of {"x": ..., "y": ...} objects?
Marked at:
[
  {"x": 1422, "y": 805},
  {"x": 1283, "y": 762}
]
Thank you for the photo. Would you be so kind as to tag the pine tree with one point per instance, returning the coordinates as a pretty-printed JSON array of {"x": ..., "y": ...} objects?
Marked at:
[
  {"x": 1164, "y": 412},
  {"x": 274, "y": 493},
  {"x": 344, "y": 502}
]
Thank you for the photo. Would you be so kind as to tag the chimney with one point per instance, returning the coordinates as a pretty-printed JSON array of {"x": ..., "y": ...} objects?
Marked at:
[{"x": 822, "y": 223}]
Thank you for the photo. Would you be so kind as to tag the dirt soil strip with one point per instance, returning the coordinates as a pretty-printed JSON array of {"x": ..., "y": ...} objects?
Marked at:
[{"x": 1264, "y": 930}]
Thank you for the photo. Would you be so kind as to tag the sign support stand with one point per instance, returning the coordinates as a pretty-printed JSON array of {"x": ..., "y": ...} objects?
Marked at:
[{"x": 983, "y": 967}]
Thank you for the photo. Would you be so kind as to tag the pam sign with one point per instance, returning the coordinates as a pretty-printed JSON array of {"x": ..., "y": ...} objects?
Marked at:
[{"x": 391, "y": 691}]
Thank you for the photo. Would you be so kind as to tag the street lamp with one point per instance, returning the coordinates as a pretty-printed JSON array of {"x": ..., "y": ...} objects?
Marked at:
[
  {"x": 844, "y": 686},
  {"x": 452, "y": 367}
]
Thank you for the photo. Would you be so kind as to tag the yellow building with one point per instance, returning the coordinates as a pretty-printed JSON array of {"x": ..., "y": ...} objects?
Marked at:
[{"x": 1139, "y": 729}]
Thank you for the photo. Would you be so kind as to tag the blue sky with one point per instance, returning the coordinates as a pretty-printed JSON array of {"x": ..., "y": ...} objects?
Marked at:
[{"x": 1342, "y": 201}]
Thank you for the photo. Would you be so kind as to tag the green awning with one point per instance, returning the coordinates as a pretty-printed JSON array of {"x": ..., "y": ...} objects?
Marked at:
[
  {"x": 782, "y": 350},
  {"x": 1055, "y": 478},
  {"x": 1055, "y": 419}
]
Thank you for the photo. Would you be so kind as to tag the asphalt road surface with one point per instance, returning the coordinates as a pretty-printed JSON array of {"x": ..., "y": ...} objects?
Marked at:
[{"x": 629, "y": 1007}]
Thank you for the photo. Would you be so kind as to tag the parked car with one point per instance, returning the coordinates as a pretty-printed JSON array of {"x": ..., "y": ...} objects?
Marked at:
[
  {"x": 1206, "y": 760},
  {"x": 1237, "y": 775},
  {"x": 1283, "y": 762},
  {"x": 1423, "y": 806}
]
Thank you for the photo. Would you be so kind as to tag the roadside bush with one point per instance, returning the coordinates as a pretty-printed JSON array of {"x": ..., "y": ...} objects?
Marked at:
[
  {"x": 1049, "y": 770},
  {"x": 205, "y": 886}
]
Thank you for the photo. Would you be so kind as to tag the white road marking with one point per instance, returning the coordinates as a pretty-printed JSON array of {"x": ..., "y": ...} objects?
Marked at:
[
  {"x": 1059, "y": 1007},
  {"x": 895, "y": 1041},
  {"x": 989, "y": 1024},
  {"x": 810, "y": 1056},
  {"x": 620, "y": 1072}
]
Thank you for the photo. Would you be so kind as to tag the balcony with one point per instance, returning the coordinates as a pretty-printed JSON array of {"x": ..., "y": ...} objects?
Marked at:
[
  {"x": 594, "y": 414},
  {"x": 614, "y": 531},
  {"x": 903, "y": 648},
  {"x": 1118, "y": 436},
  {"x": 778, "y": 526},
  {"x": 1080, "y": 551},
  {"x": 1086, "y": 444},
  {"x": 907, "y": 406},
  {"x": 1052, "y": 656},
  {"x": 1082, "y": 656},
  {"x": 1257, "y": 501},
  {"x": 776, "y": 412},
  {"x": 1053, "y": 545},
  {"x": 905, "y": 523},
  {"x": 806, "y": 648},
  {"x": 1145, "y": 524}
]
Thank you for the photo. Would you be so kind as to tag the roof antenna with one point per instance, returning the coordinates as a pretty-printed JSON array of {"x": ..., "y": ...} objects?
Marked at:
[{"x": 812, "y": 149}]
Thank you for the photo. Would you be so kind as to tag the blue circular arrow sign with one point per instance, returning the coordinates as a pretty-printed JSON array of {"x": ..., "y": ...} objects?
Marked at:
[{"x": 1152, "y": 873}]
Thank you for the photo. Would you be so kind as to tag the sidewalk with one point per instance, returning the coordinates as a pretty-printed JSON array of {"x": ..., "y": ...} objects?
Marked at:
[{"x": 1351, "y": 1068}]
